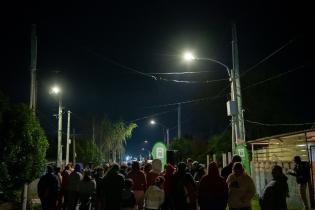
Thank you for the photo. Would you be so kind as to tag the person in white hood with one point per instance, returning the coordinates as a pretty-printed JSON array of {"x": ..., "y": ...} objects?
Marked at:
[{"x": 241, "y": 189}]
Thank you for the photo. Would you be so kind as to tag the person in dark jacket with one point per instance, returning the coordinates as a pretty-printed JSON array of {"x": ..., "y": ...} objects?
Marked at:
[
  {"x": 227, "y": 170},
  {"x": 87, "y": 191},
  {"x": 302, "y": 173},
  {"x": 48, "y": 189},
  {"x": 276, "y": 191},
  {"x": 184, "y": 190},
  {"x": 128, "y": 200},
  {"x": 113, "y": 185},
  {"x": 73, "y": 183},
  {"x": 213, "y": 190}
]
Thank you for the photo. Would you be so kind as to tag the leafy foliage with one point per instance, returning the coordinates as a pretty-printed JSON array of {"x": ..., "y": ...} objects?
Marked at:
[
  {"x": 198, "y": 149},
  {"x": 108, "y": 143},
  {"x": 87, "y": 151},
  {"x": 190, "y": 148},
  {"x": 23, "y": 148},
  {"x": 220, "y": 143}
]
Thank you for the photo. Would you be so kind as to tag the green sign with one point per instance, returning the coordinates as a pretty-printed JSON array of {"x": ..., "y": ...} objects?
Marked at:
[
  {"x": 242, "y": 151},
  {"x": 159, "y": 152}
]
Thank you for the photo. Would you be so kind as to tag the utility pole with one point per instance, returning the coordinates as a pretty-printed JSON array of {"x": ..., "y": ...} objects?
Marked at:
[
  {"x": 33, "y": 65},
  {"x": 33, "y": 69},
  {"x": 73, "y": 147},
  {"x": 68, "y": 139},
  {"x": 167, "y": 138},
  {"x": 59, "y": 149},
  {"x": 239, "y": 120},
  {"x": 179, "y": 126}
]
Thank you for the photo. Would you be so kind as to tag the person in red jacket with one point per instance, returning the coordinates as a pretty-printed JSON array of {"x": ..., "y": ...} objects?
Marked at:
[
  {"x": 213, "y": 190},
  {"x": 140, "y": 183}
]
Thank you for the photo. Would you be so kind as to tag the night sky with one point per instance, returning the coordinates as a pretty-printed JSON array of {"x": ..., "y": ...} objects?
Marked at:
[{"x": 93, "y": 50}]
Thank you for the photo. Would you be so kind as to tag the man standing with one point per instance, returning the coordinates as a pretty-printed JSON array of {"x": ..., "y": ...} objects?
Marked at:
[
  {"x": 276, "y": 191},
  {"x": 48, "y": 188},
  {"x": 227, "y": 170},
  {"x": 301, "y": 172}
]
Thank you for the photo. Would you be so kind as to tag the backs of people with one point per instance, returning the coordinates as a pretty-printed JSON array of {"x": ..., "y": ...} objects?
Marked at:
[
  {"x": 48, "y": 186},
  {"x": 74, "y": 180}
]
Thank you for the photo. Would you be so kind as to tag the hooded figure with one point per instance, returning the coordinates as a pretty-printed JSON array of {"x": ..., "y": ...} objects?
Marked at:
[
  {"x": 184, "y": 190},
  {"x": 48, "y": 188},
  {"x": 213, "y": 190}
]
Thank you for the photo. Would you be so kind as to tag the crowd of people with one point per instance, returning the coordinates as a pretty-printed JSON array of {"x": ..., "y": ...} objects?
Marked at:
[{"x": 135, "y": 186}]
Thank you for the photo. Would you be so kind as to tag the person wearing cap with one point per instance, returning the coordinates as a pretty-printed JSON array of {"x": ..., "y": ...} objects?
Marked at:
[
  {"x": 47, "y": 189},
  {"x": 227, "y": 170},
  {"x": 154, "y": 196}
]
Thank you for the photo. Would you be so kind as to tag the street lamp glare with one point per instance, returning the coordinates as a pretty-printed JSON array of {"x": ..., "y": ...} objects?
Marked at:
[
  {"x": 188, "y": 56},
  {"x": 55, "y": 90},
  {"x": 152, "y": 122}
]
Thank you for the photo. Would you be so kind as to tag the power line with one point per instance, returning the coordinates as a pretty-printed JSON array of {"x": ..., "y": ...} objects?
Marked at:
[
  {"x": 269, "y": 56},
  {"x": 150, "y": 75},
  {"x": 275, "y": 77},
  {"x": 180, "y": 73},
  {"x": 151, "y": 115},
  {"x": 279, "y": 124},
  {"x": 122, "y": 66}
]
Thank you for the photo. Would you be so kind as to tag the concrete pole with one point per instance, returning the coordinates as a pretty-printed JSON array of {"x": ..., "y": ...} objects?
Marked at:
[
  {"x": 240, "y": 138},
  {"x": 179, "y": 126},
  {"x": 73, "y": 148},
  {"x": 32, "y": 94},
  {"x": 68, "y": 139},
  {"x": 59, "y": 150},
  {"x": 167, "y": 138}
]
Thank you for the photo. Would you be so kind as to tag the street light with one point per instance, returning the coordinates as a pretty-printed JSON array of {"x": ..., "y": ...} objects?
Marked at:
[
  {"x": 57, "y": 91},
  {"x": 238, "y": 132},
  {"x": 166, "y": 129}
]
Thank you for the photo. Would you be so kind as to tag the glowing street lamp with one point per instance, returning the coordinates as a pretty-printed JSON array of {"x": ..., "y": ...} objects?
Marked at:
[
  {"x": 166, "y": 129},
  {"x": 188, "y": 56},
  {"x": 237, "y": 121},
  {"x": 57, "y": 91}
]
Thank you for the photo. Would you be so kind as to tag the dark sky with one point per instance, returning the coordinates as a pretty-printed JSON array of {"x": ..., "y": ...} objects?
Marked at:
[{"x": 90, "y": 48}]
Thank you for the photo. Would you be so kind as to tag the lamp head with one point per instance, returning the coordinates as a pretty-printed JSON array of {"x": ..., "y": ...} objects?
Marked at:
[
  {"x": 152, "y": 122},
  {"x": 55, "y": 90},
  {"x": 188, "y": 56}
]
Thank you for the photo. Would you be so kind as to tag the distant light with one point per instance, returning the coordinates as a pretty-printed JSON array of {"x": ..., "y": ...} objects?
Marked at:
[
  {"x": 142, "y": 149},
  {"x": 145, "y": 141},
  {"x": 188, "y": 56},
  {"x": 55, "y": 90},
  {"x": 128, "y": 158},
  {"x": 152, "y": 122},
  {"x": 301, "y": 145}
]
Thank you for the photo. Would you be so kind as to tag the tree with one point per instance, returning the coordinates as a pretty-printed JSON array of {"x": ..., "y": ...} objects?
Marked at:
[
  {"x": 220, "y": 143},
  {"x": 108, "y": 141},
  {"x": 88, "y": 151},
  {"x": 22, "y": 148},
  {"x": 191, "y": 148}
]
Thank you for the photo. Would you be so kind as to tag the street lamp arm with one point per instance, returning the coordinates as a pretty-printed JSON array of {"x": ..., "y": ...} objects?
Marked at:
[{"x": 218, "y": 62}]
